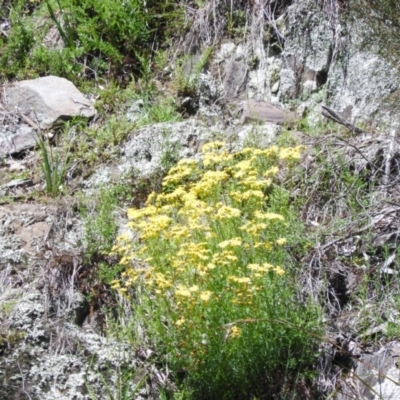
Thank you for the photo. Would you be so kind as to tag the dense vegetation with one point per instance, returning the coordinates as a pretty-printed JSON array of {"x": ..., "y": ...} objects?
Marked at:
[
  {"x": 231, "y": 263},
  {"x": 93, "y": 39}
]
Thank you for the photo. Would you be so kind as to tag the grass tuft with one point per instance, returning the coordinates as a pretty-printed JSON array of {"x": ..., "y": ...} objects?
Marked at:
[{"x": 53, "y": 169}]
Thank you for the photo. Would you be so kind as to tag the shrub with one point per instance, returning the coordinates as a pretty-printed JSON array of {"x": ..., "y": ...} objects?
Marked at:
[
  {"x": 210, "y": 276},
  {"x": 15, "y": 47},
  {"x": 101, "y": 38}
]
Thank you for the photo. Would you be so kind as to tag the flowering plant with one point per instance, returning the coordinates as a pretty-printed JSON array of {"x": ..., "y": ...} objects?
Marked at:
[{"x": 208, "y": 274}]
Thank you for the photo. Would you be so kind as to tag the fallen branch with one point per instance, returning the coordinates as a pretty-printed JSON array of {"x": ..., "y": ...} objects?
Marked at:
[{"x": 334, "y": 116}]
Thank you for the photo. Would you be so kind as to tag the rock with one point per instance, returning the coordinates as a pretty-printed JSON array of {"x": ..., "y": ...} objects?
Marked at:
[
  {"x": 22, "y": 226},
  {"x": 48, "y": 359},
  {"x": 358, "y": 86},
  {"x": 48, "y": 100},
  {"x": 44, "y": 352},
  {"x": 376, "y": 376},
  {"x": 225, "y": 52},
  {"x": 260, "y": 111},
  {"x": 322, "y": 52},
  {"x": 15, "y": 166},
  {"x": 17, "y": 183},
  {"x": 259, "y": 85},
  {"x": 235, "y": 78},
  {"x": 152, "y": 148},
  {"x": 19, "y": 141},
  {"x": 275, "y": 87},
  {"x": 308, "y": 49},
  {"x": 208, "y": 91},
  {"x": 260, "y": 136}
]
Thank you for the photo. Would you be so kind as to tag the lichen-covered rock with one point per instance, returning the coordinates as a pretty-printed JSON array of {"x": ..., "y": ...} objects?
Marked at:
[
  {"x": 360, "y": 81},
  {"x": 307, "y": 51},
  {"x": 376, "y": 376},
  {"x": 261, "y": 135},
  {"x": 49, "y": 347},
  {"x": 153, "y": 148},
  {"x": 326, "y": 55},
  {"x": 260, "y": 111}
]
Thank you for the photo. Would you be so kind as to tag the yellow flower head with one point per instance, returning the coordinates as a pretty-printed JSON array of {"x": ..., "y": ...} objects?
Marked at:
[
  {"x": 206, "y": 295},
  {"x": 182, "y": 291},
  {"x": 212, "y": 146},
  {"x": 234, "y": 242},
  {"x": 226, "y": 212},
  {"x": 235, "y": 331},
  {"x": 281, "y": 241}
]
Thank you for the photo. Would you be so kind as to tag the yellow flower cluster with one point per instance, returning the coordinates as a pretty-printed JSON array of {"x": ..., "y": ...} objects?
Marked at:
[{"x": 210, "y": 242}]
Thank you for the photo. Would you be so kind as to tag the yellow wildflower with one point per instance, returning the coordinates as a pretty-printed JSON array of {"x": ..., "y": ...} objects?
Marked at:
[
  {"x": 208, "y": 182},
  {"x": 182, "y": 291},
  {"x": 226, "y": 257},
  {"x": 234, "y": 242},
  {"x": 206, "y": 295},
  {"x": 225, "y": 212},
  {"x": 133, "y": 213},
  {"x": 253, "y": 228},
  {"x": 271, "y": 171},
  {"x": 279, "y": 271},
  {"x": 291, "y": 153},
  {"x": 247, "y": 195},
  {"x": 243, "y": 279},
  {"x": 235, "y": 331},
  {"x": 212, "y": 146},
  {"x": 115, "y": 284},
  {"x": 270, "y": 216},
  {"x": 281, "y": 241},
  {"x": 271, "y": 151}
]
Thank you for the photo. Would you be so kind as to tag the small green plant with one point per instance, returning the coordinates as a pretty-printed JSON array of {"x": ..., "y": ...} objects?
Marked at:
[
  {"x": 101, "y": 225},
  {"x": 53, "y": 169},
  {"x": 185, "y": 81},
  {"x": 124, "y": 388},
  {"x": 210, "y": 277}
]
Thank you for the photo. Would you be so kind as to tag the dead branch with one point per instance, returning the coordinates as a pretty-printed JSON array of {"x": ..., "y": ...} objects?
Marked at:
[{"x": 334, "y": 116}]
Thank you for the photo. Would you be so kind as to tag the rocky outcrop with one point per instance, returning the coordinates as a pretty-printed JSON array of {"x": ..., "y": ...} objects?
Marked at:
[
  {"x": 50, "y": 343},
  {"x": 325, "y": 59},
  {"x": 153, "y": 148},
  {"x": 376, "y": 376}
]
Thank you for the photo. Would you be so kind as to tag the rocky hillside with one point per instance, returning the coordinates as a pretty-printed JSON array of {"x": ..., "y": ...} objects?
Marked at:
[{"x": 101, "y": 100}]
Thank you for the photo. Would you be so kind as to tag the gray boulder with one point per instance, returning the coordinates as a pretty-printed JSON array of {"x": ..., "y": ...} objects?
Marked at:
[{"x": 48, "y": 100}]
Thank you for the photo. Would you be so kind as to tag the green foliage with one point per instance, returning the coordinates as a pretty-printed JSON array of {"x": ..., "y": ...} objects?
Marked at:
[
  {"x": 53, "y": 169},
  {"x": 15, "y": 48},
  {"x": 124, "y": 388},
  {"x": 186, "y": 75},
  {"x": 100, "y": 38},
  {"x": 212, "y": 270},
  {"x": 101, "y": 225}
]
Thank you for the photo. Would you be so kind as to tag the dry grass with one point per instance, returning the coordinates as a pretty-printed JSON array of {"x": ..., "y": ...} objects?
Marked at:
[{"x": 350, "y": 191}]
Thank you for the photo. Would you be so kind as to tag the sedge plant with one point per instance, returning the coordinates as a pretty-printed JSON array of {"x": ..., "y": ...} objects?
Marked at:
[
  {"x": 210, "y": 277},
  {"x": 53, "y": 169}
]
